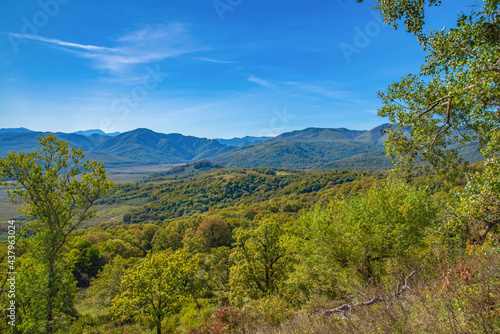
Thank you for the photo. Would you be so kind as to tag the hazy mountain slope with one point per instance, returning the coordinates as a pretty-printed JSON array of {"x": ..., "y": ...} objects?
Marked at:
[
  {"x": 96, "y": 131},
  {"x": 311, "y": 148},
  {"x": 6, "y": 131},
  {"x": 241, "y": 142},
  {"x": 319, "y": 135},
  {"x": 146, "y": 146},
  {"x": 304, "y": 149},
  {"x": 28, "y": 141},
  {"x": 374, "y": 136},
  {"x": 141, "y": 146}
]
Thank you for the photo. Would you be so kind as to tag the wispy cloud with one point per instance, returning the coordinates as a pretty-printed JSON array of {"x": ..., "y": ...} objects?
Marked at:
[
  {"x": 148, "y": 44},
  {"x": 325, "y": 89},
  {"x": 242, "y": 93},
  {"x": 309, "y": 105},
  {"x": 259, "y": 81},
  {"x": 190, "y": 110},
  {"x": 210, "y": 60},
  {"x": 57, "y": 42}
]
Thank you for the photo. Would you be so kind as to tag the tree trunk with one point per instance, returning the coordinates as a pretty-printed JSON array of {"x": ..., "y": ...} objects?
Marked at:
[
  {"x": 51, "y": 296},
  {"x": 158, "y": 328}
]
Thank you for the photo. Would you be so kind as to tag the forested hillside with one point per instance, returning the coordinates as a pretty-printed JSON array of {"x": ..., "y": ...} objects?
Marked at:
[
  {"x": 169, "y": 198},
  {"x": 272, "y": 243},
  {"x": 209, "y": 249}
]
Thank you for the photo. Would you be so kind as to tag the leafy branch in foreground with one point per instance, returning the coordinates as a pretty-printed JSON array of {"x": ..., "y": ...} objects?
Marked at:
[
  {"x": 412, "y": 12},
  {"x": 477, "y": 212},
  {"x": 455, "y": 98}
]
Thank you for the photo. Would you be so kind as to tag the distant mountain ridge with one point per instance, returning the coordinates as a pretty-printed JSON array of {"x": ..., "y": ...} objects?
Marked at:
[
  {"x": 140, "y": 146},
  {"x": 315, "y": 148},
  {"x": 312, "y": 148},
  {"x": 27, "y": 141},
  {"x": 241, "y": 142},
  {"x": 144, "y": 145},
  {"x": 96, "y": 132},
  {"x": 5, "y": 131}
]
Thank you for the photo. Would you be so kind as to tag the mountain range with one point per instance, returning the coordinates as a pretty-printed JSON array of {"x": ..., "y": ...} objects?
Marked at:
[{"x": 312, "y": 148}]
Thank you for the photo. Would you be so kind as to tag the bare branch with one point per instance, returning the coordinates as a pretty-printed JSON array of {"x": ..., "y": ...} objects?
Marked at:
[
  {"x": 495, "y": 68},
  {"x": 348, "y": 307}
]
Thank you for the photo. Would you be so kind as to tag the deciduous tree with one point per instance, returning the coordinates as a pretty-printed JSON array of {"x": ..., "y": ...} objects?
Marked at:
[
  {"x": 157, "y": 287},
  {"x": 58, "y": 189},
  {"x": 261, "y": 260},
  {"x": 106, "y": 285},
  {"x": 477, "y": 211},
  {"x": 361, "y": 239},
  {"x": 456, "y": 96}
]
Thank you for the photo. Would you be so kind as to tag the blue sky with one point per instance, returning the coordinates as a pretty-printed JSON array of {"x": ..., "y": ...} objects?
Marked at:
[{"x": 206, "y": 68}]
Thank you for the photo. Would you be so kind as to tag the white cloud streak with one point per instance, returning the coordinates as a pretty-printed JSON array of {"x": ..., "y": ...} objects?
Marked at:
[
  {"x": 57, "y": 42},
  {"x": 259, "y": 81},
  {"x": 210, "y": 60},
  {"x": 148, "y": 44}
]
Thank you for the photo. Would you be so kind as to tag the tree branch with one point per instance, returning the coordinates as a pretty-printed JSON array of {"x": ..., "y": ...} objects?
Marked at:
[
  {"x": 433, "y": 105},
  {"x": 348, "y": 307},
  {"x": 495, "y": 68}
]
